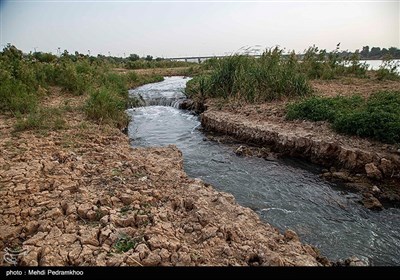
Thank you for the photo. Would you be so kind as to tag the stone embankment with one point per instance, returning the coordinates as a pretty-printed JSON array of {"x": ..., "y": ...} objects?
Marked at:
[{"x": 83, "y": 196}]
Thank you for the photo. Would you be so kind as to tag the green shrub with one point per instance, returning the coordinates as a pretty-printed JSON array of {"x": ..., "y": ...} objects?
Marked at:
[
  {"x": 131, "y": 77},
  {"x": 198, "y": 86},
  {"x": 210, "y": 64},
  {"x": 320, "y": 64},
  {"x": 115, "y": 82},
  {"x": 377, "y": 118},
  {"x": 321, "y": 108},
  {"x": 27, "y": 76},
  {"x": 44, "y": 57},
  {"x": 389, "y": 70},
  {"x": 23, "y": 78},
  {"x": 83, "y": 67},
  {"x": 378, "y": 124},
  {"x": 355, "y": 67},
  {"x": 14, "y": 95},
  {"x": 105, "y": 106},
  {"x": 71, "y": 80}
]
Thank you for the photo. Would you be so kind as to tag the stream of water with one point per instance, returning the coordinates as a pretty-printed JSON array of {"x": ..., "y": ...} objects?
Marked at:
[{"x": 285, "y": 193}]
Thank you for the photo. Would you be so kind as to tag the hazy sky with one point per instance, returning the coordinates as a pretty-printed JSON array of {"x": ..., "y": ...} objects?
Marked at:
[{"x": 171, "y": 29}]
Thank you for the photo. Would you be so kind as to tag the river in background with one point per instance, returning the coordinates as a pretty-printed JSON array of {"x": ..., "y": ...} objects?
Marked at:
[
  {"x": 375, "y": 64},
  {"x": 285, "y": 193}
]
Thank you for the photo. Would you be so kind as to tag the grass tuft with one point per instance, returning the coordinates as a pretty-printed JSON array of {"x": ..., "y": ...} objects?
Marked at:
[
  {"x": 41, "y": 119},
  {"x": 106, "y": 107},
  {"x": 124, "y": 243}
]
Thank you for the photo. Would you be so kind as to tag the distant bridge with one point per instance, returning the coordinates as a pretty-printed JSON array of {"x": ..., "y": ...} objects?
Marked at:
[{"x": 202, "y": 58}]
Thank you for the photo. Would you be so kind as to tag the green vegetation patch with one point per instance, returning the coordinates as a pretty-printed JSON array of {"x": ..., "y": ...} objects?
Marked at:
[
  {"x": 267, "y": 78},
  {"x": 389, "y": 70},
  {"x": 41, "y": 119},
  {"x": 321, "y": 64},
  {"x": 24, "y": 78},
  {"x": 377, "y": 117},
  {"x": 323, "y": 109},
  {"x": 106, "y": 107},
  {"x": 134, "y": 62}
]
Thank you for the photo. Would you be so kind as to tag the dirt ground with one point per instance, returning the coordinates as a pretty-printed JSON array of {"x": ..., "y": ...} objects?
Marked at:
[
  {"x": 349, "y": 86},
  {"x": 82, "y": 196}
]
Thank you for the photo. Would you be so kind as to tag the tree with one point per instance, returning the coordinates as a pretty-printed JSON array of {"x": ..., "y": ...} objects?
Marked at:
[
  {"x": 133, "y": 57},
  {"x": 12, "y": 52},
  {"x": 365, "y": 52},
  {"x": 394, "y": 52},
  {"x": 375, "y": 52},
  {"x": 44, "y": 57},
  {"x": 149, "y": 58}
]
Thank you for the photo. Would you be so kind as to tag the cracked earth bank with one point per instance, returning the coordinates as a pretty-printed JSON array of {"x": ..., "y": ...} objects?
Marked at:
[{"x": 83, "y": 196}]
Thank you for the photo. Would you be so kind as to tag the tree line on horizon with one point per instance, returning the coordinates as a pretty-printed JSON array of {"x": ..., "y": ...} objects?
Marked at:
[
  {"x": 367, "y": 53},
  {"x": 133, "y": 59},
  {"x": 378, "y": 53}
]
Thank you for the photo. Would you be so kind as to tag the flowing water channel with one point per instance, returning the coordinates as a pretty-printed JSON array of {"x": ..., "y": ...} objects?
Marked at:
[{"x": 286, "y": 193}]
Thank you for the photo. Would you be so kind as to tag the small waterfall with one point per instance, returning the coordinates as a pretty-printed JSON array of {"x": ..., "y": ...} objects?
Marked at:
[
  {"x": 164, "y": 101},
  {"x": 170, "y": 93}
]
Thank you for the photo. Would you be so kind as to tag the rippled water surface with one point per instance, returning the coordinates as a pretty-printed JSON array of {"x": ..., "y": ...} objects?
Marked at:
[{"x": 285, "y": 193}]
